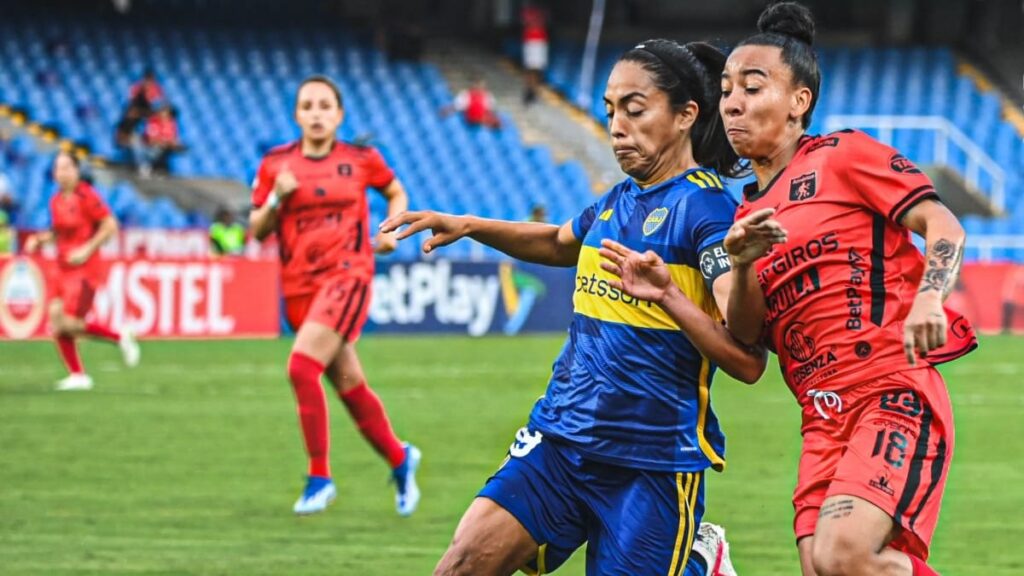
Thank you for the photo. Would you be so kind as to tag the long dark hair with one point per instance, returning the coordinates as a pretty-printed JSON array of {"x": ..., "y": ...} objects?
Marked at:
[
  {"x": 691, "y": 72},
  {"x": 790, "y": 26}
]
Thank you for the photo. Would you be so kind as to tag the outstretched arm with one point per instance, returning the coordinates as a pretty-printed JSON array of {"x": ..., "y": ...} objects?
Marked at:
[
  {"x": 528, "y": 241},
  {"x": 925, "y": 327},
  {"x": 646, "y": 276},
  {"x": 398, "y": 202}
]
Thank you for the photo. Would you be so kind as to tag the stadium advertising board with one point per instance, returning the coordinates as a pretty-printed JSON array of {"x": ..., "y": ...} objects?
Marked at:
[
  {"x": 474, "y": 298},
  {"x": 198, "y": 298}
]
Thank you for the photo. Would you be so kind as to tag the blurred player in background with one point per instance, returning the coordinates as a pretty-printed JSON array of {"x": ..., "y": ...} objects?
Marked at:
[
  {"x": 312, "y": 193},
  {"x": 80, "y": 224},
  {"x": 836, "y": 287},
  {"x": 614, "y": 453}
]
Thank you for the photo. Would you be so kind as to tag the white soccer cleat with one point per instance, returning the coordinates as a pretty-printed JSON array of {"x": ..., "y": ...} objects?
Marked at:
[
  {"x": 75, "y": 382},
  {"x": 710, "y": 543},
  {"x": 319, "y": 492},
  {"x": 407, "y": 492},
  {"x": 130, "y": 351}
]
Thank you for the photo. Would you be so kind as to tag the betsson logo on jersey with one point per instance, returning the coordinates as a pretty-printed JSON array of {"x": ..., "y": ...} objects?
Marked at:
[{"x": 409, "y": 292}]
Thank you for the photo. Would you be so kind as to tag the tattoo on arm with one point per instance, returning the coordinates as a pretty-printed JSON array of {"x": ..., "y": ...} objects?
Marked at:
[
  {"x": 836, "y": 510},
  {"x": 944, "y": 258}
]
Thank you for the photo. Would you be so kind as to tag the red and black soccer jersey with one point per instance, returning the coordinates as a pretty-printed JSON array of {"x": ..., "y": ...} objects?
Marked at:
[
  {"x": 323, "y": 226},
  {"x": 838, "y": 291},
  {"x": 75, "y": 218}
]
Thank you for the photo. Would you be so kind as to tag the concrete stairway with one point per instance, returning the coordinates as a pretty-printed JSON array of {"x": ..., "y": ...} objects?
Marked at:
[{"x": 549, "y": 121}]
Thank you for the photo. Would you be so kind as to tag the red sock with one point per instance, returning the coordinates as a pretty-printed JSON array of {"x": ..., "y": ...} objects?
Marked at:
[
  {"x": 920, "y": 568},
  {"x": 304, "y": 372},
  {"x": 101, "y": 331},
  {"x": 368, "y": 412},
  {"x": 69, "y": 353}
]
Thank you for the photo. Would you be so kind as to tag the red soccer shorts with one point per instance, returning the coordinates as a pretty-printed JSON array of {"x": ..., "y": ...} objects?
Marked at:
[
  {"x": 76, "y": 292},
  {"x": 340, "y": 303},
  {"x": 890, "y": 444}
]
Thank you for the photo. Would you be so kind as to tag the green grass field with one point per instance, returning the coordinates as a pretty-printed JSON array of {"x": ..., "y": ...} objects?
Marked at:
[{"x": 190, "y": 463}]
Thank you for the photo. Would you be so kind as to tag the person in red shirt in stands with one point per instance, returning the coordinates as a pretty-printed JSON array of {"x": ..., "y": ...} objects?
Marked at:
[
  {"x": 312, "y": 193},
  {"x": 160, "y": 139},
  {"x": 476, "y": 105},
  {"x": 81, "y": 223},
  {"x": 535, "y": 50},
  {"x": 826, "y": 274},
  {"x": 147, "y": 92}
]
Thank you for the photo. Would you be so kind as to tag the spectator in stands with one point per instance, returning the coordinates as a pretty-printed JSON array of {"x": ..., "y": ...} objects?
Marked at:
[
  {"x": 126, "y": 134},
  {"x": 538, "y": 213},
  {"x": 476, "y": 105},
  {"x": 535, "y": 50},
  {"x": 160, "y": 140},
  {"x": 147, "y": 92},
  {"x": 227, "y": 235}
]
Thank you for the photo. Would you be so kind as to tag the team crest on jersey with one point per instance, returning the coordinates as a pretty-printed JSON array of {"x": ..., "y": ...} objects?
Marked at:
[
  {"x": 803, "y": 187},
  {"x": 344, "y": 169},
  {"x": 900, "y": 164},
  {"x": 654, "y": 220}
]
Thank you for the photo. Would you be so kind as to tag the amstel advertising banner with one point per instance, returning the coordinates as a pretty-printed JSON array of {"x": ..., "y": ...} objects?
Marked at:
[{"x": 199, "y": 298}]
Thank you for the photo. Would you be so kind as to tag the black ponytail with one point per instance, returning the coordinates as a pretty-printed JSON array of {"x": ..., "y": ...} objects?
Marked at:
[
  {"x": 691, "y": 73},
  {"x": 790, "y": 26}
]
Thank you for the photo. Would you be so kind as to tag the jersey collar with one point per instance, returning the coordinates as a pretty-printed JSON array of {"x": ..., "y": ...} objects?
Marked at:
[
  {"x": 751, "y": 192},
  {"x": 636, "y": 190}
]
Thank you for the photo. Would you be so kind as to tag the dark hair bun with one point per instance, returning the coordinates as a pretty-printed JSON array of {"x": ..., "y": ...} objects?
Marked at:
[{"x": 788, "y": 19}]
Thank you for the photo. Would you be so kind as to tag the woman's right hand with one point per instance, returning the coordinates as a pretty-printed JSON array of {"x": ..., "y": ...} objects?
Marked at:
[
  {"x": 285, "y": 182},
  {"x": 753, "y": 236},
  {"x": 445, "y": 228}
]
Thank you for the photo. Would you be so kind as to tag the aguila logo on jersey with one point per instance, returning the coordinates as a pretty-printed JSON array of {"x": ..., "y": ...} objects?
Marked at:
[
  {"x": 900, "y": 164},
  {"x": 803, "y": 187},
  {"x": 654, "y": 220},
  {"x": 800, "y": 345},
  {"x": 23, "y": 295},
  {"x": 344, "y": 169}
]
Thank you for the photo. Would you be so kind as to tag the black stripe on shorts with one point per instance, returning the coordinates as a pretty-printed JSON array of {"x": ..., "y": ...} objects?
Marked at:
[
  {"x": 916, "y": 463},
  {"x": 355, "y": 313}
]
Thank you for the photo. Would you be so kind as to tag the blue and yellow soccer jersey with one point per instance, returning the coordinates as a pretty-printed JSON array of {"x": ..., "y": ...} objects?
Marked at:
[{"x": 628, "y": 387}]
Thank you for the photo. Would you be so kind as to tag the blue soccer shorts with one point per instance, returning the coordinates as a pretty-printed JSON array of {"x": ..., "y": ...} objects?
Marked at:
[{"x": 636, "y": 522}]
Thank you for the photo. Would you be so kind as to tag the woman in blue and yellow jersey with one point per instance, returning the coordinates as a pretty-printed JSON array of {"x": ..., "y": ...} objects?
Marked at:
[{"x": 614, "y": 453}]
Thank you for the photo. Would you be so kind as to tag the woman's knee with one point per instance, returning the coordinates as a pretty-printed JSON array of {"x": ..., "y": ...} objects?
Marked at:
[{"x": 840, "y": 555}]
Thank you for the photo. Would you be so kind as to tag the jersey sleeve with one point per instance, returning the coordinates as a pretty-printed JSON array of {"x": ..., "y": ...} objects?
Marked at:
[
  {"x": 262, "y": 184},
  {"x": 883, "y": 178},
  {"x": 584, "y": 220},
  {"x": 709, "y": 216},
  {"x": 379, "y": 174}
]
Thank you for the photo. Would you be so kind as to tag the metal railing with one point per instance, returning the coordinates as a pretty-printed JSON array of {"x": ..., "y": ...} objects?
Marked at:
[{"x": 946, "y": 133}]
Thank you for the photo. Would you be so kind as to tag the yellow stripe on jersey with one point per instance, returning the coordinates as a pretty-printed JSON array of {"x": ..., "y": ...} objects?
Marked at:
[
  {"x": 680, "y": 555},
  {"x": 606, "y": 215},
  {"x": 693, "y": 178},
  {"x": 594, "y": 296},
  {"x": 703, "y": 396},
  {"x": 705, "y": 176}
]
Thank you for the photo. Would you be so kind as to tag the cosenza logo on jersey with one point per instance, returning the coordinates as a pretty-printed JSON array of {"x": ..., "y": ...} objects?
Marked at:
[
  {"x": 654, "y": 220},
  {"x": 802, "y": 348}
]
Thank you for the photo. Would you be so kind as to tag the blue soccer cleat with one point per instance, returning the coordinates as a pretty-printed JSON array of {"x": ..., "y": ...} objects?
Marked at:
[
  {"x": 407, "y": 495},
  {"x": 319, "y": 492}
]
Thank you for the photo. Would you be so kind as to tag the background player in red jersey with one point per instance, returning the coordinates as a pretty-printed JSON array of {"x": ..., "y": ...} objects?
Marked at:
[
  {"x": 855, "y": 314},
  {"x": 313, "y": 194},
  {"x": 81, "y": 223}
]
